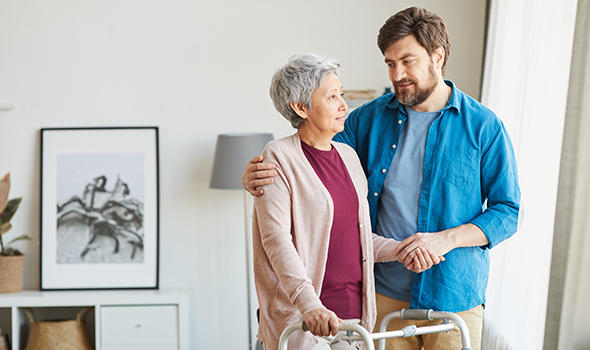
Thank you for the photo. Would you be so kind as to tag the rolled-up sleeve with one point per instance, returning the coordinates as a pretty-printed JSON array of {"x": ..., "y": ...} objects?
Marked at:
[{"x": 499, "y": 179}]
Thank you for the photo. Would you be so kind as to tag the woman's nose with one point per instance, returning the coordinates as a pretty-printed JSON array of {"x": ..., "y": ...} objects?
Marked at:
[{"x": 343, "y": 105}]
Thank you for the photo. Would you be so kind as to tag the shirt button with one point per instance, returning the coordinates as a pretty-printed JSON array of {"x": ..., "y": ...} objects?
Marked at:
[
  {"x": 364, "y": 260},
  {"x": 361, "y": 225},
  {"x": 383, "y": 171},
  {"x": 375, "y": 194},
  {"x": 399, "y": 121},
  {"x": 394, "y": 146}
]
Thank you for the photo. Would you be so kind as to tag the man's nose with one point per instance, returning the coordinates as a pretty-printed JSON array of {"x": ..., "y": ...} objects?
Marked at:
[{"x": 397, "y": 74}]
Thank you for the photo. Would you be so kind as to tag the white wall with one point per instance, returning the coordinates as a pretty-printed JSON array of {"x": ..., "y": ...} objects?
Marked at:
[
  {"x": 526, "y": 83},
  {"x": 195, "y": 69}
]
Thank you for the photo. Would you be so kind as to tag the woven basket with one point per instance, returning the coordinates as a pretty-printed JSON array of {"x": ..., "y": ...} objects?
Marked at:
[
  {"x": 58, "y": 335},
  {"x": 11, "y": 273}
]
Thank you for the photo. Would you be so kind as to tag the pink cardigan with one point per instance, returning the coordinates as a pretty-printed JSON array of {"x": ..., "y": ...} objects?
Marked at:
[{"x": 291, "y": 233}]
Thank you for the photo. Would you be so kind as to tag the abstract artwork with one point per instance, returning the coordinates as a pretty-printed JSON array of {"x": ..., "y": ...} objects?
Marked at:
[{"x": 99, "y": 226}]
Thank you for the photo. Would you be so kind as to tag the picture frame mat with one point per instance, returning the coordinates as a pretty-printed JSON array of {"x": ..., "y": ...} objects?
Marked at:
[{"x": 94, "y": 141}]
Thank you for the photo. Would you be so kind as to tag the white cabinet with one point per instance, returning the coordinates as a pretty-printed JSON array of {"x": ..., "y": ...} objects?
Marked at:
[
  {"x": 120, "y": 320},
  {"x": 123, "y": 327}
]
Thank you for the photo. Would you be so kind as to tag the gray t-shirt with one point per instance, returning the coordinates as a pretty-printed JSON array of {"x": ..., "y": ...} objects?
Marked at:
[{"x": 398, "y": 206}]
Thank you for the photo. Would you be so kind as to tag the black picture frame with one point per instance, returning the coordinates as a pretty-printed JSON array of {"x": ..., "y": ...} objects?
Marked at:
[{"x": 99, "y": 192}]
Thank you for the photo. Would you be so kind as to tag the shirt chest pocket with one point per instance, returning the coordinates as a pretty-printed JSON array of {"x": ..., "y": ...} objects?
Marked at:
[{"x": 460, "y": 166}]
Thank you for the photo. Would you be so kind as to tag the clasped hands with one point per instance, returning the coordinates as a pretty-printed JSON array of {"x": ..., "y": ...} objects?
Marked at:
[
  {"x": 421, "y": 251},
  {"x": 418, "y": 253}
]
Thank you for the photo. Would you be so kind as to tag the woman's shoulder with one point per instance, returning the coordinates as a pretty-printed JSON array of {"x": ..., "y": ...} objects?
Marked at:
[
  {"x": 281, "y": 149},
  {"x": 284, "y": 144},
  {"x": 345, "y": 150}
]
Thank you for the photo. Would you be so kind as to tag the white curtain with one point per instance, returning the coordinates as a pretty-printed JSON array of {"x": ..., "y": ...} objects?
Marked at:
[
  {"x": 526, "y": 74},
  {"x": 568, "y": 307}
]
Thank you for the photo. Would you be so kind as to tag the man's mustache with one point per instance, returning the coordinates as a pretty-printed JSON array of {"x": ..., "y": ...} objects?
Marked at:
[{"x": 404, "y": 81}]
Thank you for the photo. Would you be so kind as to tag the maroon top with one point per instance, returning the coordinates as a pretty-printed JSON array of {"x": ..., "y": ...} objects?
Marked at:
[{"x": 343, "y": 279}]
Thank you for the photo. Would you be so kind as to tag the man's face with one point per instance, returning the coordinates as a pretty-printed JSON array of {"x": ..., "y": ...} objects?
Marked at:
[{"x": 411, "y": 70}]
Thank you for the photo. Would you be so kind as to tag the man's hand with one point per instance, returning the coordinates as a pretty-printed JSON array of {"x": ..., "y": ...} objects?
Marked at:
[
  {"x": 322, "y": 322},
  {"x": 440, "y": 243},
  {"x": 258, "y": 174}
]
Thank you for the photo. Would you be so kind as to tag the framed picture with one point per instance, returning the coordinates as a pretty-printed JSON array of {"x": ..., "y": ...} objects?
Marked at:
[
  {"x": 356, "y": 98},
  {"x": 99, "y": 208}
]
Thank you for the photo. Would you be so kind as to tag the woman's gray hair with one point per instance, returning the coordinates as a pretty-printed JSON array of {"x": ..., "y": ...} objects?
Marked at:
[{"x": 296, "y": 81}]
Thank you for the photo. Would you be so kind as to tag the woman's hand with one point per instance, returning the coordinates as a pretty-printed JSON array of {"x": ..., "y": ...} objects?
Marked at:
[
  {"x": 421, "y": 259},
  {"x": 322, "y": 322}
]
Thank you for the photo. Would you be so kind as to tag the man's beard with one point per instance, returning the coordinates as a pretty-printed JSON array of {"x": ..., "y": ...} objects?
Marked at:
[{"x": 421, "y": 93}]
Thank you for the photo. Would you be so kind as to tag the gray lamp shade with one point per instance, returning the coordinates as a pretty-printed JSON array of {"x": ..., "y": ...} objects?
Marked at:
[{"x": 232, "y": 153}]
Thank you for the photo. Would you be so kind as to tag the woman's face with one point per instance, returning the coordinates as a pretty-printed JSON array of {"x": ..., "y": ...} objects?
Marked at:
[{"x": 328, "y": 108}]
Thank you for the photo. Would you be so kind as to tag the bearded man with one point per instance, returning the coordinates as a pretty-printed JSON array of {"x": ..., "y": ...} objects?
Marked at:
[{"x": 441, "y": 175}]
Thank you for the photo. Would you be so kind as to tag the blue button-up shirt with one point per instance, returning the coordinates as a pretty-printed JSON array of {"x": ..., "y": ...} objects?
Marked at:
[{"x": 469, "y": 176}]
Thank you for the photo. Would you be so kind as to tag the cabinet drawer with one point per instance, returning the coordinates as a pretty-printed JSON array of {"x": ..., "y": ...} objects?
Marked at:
[
  {"x": 139, "y": 347},
  {"x": 139, "y": 325}
]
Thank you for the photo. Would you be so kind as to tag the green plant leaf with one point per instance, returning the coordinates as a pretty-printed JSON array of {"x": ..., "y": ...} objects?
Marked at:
[
  {"x": 19, "y": 238},
  {"x": 5, "y": 228},
  {"x": 12, "y": 252},
  {"x": 11, "y": 208}
]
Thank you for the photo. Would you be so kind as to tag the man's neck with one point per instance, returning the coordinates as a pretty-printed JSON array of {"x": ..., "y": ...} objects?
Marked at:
[{"x": 437, "y": 100}]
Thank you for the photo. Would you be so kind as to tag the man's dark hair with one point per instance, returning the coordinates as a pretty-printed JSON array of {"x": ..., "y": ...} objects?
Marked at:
[{"x": 428, "y": 28}]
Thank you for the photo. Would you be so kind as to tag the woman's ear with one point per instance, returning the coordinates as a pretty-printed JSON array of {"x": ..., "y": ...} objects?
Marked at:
[{"x": 299, "y": 108}]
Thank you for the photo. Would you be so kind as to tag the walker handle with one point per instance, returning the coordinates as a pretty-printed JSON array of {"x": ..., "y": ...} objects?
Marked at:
[
  {"x": 415, "y": 314},
  {"x": 344, "y": 326}
]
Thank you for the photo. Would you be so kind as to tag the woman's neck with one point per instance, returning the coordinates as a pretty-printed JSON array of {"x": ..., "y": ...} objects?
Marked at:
[{"x": 315, "y": 138}]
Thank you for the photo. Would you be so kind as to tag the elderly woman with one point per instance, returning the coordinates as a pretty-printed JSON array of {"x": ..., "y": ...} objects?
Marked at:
[{"x": 313, "y": 245}]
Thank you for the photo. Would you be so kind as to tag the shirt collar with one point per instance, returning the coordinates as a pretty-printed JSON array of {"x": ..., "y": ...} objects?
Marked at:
[{"x": 453, "y": 102}]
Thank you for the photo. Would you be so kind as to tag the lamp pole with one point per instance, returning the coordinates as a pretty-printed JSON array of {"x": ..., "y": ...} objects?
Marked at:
[
  {"x": 249, "y": 269},
  {"x": 232, "y": 152}
]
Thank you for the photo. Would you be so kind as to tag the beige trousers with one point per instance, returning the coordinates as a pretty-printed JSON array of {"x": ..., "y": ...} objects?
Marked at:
[{"x": 440, "y": 341}]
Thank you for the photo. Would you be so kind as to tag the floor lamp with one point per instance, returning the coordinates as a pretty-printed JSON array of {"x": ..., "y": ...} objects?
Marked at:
[{"x": 232, "y": 153}]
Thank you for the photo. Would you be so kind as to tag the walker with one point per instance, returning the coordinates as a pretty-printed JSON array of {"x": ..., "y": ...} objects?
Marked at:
[{"x": 348, "y": 328}]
